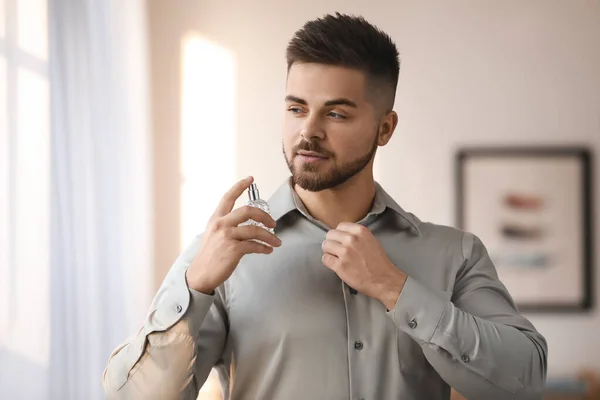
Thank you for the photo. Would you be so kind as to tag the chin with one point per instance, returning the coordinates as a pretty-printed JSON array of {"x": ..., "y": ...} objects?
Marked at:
[
  {"x": 312, "y": 173},
  {"x": 313, "y": 182}
]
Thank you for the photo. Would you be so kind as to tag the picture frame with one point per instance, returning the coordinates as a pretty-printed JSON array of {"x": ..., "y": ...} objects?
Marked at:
[{"x": 532, "y": 209}]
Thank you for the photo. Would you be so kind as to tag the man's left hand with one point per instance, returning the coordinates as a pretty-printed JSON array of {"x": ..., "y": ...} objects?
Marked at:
[{"x": 355, "y": 255}]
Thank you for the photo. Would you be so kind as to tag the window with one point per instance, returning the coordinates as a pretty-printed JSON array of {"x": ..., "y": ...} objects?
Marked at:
[
  {"x": 208, "y": 166},
  {"x": 24, "y": 181}
]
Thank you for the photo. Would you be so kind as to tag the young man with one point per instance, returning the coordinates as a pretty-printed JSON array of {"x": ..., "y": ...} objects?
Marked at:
[{"x": 356, "y": 298}]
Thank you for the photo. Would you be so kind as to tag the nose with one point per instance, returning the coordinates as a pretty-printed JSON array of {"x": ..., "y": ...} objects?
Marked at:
[{"x": 312, "y": 128}]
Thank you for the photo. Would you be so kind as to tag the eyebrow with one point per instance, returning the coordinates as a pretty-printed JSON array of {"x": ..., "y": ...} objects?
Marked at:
[{"x": 335, "y": 102}]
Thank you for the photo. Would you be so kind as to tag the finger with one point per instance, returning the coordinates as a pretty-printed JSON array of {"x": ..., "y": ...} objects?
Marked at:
[
  {"x": 251, "y": 247},
  {"x": 333, "y": 247},
  {"x": 330, "y": 261},
  {"x": 228, "y": 201},
  {"x": 339, "y": 236},
  {"x": 248, "y": 232},
  {"x": 245, "y": 213},
  {"x": 350, "y": 227}
]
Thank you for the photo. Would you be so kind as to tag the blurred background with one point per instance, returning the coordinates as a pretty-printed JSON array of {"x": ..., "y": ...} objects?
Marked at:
[{"x": 122, "y": 123}]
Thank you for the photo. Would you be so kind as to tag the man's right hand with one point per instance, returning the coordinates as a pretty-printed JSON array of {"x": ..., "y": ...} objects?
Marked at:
[{"x": 224, "y": 243}]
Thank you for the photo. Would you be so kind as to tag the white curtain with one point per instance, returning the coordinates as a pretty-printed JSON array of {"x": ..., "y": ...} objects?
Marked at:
[{"x": 100, "y": 226}]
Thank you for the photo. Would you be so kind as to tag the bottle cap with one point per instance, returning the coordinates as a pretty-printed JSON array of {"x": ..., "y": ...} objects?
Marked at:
[{"x": 253, "y": 192}]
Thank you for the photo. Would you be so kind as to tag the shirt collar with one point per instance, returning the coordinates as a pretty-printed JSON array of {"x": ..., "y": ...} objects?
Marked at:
[{"x": 285, "y": 200}]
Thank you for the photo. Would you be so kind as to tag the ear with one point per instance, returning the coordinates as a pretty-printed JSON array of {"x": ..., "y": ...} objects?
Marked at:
[{"x": 387, "y": 126}]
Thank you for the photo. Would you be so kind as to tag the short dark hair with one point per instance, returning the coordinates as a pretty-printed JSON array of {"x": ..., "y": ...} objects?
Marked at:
[{"x": 351, "y": 42}]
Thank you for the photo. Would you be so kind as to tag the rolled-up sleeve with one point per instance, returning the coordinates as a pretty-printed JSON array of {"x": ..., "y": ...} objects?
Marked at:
[
  {"x": 478, "y": 342},
  {"x": 181, "y": 340}
]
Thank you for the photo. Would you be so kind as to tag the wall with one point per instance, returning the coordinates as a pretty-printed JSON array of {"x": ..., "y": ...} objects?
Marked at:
[{"x": 473, "y": 73}]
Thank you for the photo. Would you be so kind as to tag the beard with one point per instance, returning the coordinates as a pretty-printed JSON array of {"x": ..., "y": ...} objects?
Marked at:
[{"x": 309, "y": 177}]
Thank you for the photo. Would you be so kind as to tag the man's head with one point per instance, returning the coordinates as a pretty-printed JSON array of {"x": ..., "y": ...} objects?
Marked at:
[{"x": 342, "y": 78}]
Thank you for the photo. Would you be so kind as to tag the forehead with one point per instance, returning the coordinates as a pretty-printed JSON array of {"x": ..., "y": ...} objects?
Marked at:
[{"x": 319, "y": 83}]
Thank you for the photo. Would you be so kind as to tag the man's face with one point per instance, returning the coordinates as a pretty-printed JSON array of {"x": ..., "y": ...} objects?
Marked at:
[{"x": 330, "y": 130}]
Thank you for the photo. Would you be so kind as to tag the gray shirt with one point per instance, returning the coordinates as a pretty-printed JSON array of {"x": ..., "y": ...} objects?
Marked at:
[{"x": 284, "y": 326}]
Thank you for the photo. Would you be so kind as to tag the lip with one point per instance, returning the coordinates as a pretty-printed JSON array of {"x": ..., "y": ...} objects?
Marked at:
[
  {"x": 311, "y": 154},
  {"x": 311, "y": 159}
]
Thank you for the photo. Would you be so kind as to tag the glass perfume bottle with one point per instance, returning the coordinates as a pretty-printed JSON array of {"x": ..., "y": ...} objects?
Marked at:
[{"x": 254, "y": 200}]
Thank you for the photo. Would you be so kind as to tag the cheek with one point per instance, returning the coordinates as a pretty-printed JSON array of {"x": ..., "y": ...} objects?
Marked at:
[
  {"x": 288, "y": 139},
  {"x": 349, "y": 144},
  {"x": 291, "y": 131},
  {"x": 291, "y": 125}
]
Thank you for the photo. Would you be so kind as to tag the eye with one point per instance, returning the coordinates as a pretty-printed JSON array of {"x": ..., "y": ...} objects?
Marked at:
[
  {"x": 335, "y": 115},
  {"x": 295, "y": 110}
]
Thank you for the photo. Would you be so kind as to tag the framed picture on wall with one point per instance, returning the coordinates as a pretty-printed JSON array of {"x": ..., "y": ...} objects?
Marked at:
[{"x": 532, "y": 208}]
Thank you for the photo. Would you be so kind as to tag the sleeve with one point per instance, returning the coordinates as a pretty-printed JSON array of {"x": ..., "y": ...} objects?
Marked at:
[
  {"x": 477, "y": 342},
  {"x": 182, "y": 338}
]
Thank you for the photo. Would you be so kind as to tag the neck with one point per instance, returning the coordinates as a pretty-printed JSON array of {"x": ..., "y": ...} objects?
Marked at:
[{"x": 348, "y": 202}]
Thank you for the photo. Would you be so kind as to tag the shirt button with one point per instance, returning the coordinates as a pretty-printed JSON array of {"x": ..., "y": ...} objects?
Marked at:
[
  {"x": 358, "y": 345},
  {"x": 412, "y": 323},
  {"x": 178, "y": 308},
  {"x": 353, "y": 291},
  {"x": 465, "y": 358}
]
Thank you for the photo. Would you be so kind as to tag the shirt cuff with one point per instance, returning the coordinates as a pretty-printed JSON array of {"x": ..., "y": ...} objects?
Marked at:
[
  {"x": 418, "y": 311},
  {"x": 197, "y": 309},
  {"x": 175, "y": 301}
]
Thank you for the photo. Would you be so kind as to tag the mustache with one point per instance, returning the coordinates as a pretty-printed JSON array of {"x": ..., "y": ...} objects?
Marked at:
[{"x": 312, "y": 146}]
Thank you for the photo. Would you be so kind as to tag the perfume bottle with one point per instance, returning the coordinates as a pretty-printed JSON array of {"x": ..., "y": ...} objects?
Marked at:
[{"x": 254, "y": 200}]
